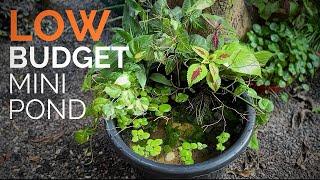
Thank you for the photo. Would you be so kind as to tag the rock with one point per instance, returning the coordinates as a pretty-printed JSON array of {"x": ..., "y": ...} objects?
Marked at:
[{"x": 170, "y": 157}]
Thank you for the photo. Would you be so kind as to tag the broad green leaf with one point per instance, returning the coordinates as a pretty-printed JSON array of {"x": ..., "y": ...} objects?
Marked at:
[
  {"x": 124, "y": 34},
  {"x": 181, "y": 98},
  {"x": 213, "y": 78},
  {"x": 108, "y": 111},
  {"x": 159, "y": 78},
  {"x": 123, "y": 81},
  {"x": 112, "y": 90},
  {"x": 242, "y": 59},
  {"x": 257, "y": 28},
  {"x": 165, "y": 108},
  {"x": 142, "y": 77},
  {"x": 240, "y": 90},
  {"x": 262, "y": 119},
  {"x": 270, "y": 8},
  {"x": 200, "y": 5},
  {"x": 135, "y": 6},
  {"x": 127, "y": 98},
  {"x": 176, "y": 13},
  {"x": 252, "y": 93},
  {"x": 199, "y": 41},
  {"x": 130, "y": 24},
  {"x": 254, "y": 142},
  {"x": 221, "y": 57},
  {"x": 196, "y": 72},
  {"x": 266, "y": 105},
  {"x": 160, "y": 7},
  {"x": 140, "y": 48},
  {"x": 82, "y": 136},
  {"x": 275, "y": 38},
  {"x": 170, "y": 65},
  {"x": 263, "y": 57},
  {"x": 294, "y": 8},
  {"x": 140, "y": 106},
  {"x": 204, "y": 54}
]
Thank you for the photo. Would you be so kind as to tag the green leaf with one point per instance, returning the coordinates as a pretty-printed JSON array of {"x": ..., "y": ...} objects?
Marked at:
[
  {"x": 199, "y": 41},
  {"x": 153, "y": 107},
  {"x": 160, "y": 78},
  {"x": 201, "y": 146},
  {"x": 294, "y": 8},
  {"x": 242, "y": 59},
  {"x": 82, "y": 136},
  {"x": 257, "y": 28},
  {"x": 129, "y": 24},
  {"x": 124, "y": 34},
  {"x": 254, "y": 142},
  {"x": 213, "y": 78},
  {"x": 140, "y": 106},
  {"x": 263, "y": 57},
  {"x": 196, "y": 72},
  {"x": 108, "y": 111},
  {"x": 240, "y": 90},
  {"x": 275, "y": 38},
  {"x": 181, "y": 98},
  {"x": 282, "y": 84},
  {"x": 204, "y": 54},
  {"x": 220, "y": 147},
  {"x": 123, "y": 81},
  {"x": 252, "y": 93},
  {"x": 160, "y": 7},
  {"x": 112, "y": 90},
  {"x": 140, "y": 48},
  {"x": 142, "y": 77},
  {"x": 284, "y": 97},
  {"x": 223, "y": 137},
  {"x": 269, "y": 9},
  {"x": 262, "y": 119},
  {"x": 87, "y": 83},
  {"x": 200, "y": 5},
  {"x": 186, "y": 146},
  {"x": 266, "y": 105},
  {"x": 165, "y": 108}
]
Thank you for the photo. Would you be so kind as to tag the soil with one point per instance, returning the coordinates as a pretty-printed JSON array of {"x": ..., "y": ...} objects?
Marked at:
[{"x": 45, "y": 148}]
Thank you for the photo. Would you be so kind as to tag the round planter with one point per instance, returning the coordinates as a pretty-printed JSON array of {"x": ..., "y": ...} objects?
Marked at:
[{"x": 209, "y": 168}]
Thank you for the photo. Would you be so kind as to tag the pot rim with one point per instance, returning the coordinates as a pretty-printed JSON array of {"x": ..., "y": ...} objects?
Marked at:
[{"x": 197, "y": 169}]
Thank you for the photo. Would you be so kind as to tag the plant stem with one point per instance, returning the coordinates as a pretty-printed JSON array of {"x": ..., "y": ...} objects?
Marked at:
[
  {"x": 246, "y": 101},
  {"x": 115, "y": 19}
]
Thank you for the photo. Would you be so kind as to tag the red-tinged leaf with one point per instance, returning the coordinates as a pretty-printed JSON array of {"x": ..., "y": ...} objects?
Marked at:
[
  {"x": 215, "y": 39},
  {"x": 196, "y": 72},
  {"x": 201, "y": 52},
  {"x": 224, "y": 55}
]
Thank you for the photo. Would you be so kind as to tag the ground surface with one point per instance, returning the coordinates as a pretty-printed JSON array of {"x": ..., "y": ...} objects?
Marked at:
[{"x": 46, "y": 149}]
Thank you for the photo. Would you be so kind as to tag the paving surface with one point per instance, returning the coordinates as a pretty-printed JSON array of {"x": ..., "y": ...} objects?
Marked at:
[{"x": 45, "y": 148}]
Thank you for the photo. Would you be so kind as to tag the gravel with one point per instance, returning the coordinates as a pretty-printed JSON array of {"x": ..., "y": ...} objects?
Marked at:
[{"x": 45, "y": 148}]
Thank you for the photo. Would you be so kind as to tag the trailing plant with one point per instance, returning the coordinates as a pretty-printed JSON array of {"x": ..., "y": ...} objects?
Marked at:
[
  {"x": 293, "y": 58},
  {"x": 186, "y": 151},
  {"x": 168, "y": 66},
  {"x": 284, "y": 8}
]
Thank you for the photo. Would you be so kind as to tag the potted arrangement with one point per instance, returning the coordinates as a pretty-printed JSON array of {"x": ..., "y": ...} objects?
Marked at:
[{"x": 181, "y": 106}]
